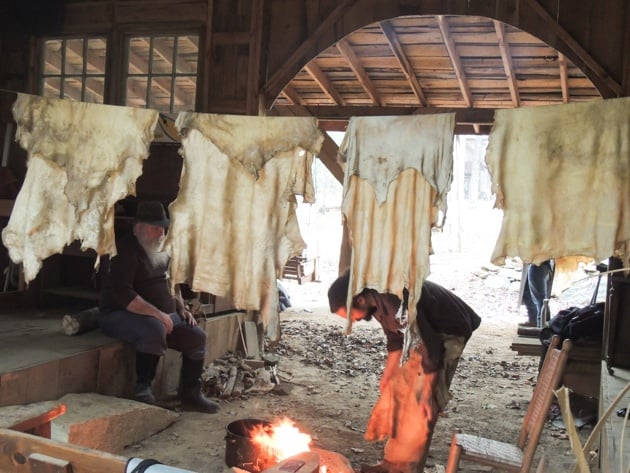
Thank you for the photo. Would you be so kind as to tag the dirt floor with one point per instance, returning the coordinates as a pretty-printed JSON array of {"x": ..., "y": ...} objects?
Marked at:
[{"x": 329, "y": 382}]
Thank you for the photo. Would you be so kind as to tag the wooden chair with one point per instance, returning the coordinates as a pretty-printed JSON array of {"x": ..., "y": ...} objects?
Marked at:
[{"x": 519, "y": 457}]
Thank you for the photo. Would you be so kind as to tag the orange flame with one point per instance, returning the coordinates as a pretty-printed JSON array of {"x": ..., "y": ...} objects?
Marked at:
[{"x": 282, "y": 440}]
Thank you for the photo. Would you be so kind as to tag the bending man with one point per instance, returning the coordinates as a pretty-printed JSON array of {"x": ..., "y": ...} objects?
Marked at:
[
  {"x": 138, "y": 308},
  {"x": 412, "y": 395}
]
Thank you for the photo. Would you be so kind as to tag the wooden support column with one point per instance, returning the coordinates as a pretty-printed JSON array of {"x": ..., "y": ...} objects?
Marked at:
[
  {"x": 625, "y": 73},
  {"x": 255, "y": 52},
  {"x": 203, "y": 101}
]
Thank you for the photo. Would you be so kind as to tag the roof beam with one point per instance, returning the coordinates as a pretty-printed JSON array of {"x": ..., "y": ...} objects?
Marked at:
[
  {"x": 291, "y": 66},
  {"x": 402, "y": 59},
  {"x": 328, "y": 156},
  {"x": 348, "y": 53},
  {"x": 455, "y": 59},
  {"x": 320, "y": 77},
  {"x": 333, "y": 125},
  {"x": 564, "y": 77},
  {"x": 580, "y": 52},
  {"x": 481, "y": 116},
  {"x": 506, "y": 57}
]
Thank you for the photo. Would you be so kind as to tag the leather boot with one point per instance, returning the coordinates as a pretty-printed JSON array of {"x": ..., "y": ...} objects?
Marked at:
[
  {"x": 146, "y": 364},
  {"x": 190, "y": 390}
]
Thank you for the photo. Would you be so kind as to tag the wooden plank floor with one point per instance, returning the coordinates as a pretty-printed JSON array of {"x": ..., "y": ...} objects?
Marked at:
[
  {"x": 29, "y": 337},
  {"x": 40, "y": 363}
]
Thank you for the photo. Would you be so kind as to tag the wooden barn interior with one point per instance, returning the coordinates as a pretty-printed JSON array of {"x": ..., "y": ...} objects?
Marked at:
[{"x": 328, "y": 59}]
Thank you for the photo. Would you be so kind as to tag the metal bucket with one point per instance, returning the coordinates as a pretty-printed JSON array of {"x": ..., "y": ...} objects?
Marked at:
[{"x": 240, "y": 449}]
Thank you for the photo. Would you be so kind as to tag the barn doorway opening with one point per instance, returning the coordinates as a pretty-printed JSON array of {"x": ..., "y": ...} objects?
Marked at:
[{"x": 462, "y": 246}]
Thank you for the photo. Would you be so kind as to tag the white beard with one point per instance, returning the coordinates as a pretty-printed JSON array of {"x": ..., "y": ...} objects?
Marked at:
[
  {"x": 153, "y": 251},
  {"x": 157, "y": 258}
]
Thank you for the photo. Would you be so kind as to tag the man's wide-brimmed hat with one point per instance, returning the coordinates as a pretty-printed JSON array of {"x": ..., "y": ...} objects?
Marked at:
[{"x": 152, "y": 212}]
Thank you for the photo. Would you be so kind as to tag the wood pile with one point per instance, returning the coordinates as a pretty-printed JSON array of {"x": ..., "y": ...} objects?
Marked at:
[{"x": 233, "y": 376}]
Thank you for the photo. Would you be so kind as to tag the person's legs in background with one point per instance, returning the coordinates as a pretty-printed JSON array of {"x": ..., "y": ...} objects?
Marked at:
[
  {"x": 530, "y": 305},
  {"x": 538, "y": 280}
]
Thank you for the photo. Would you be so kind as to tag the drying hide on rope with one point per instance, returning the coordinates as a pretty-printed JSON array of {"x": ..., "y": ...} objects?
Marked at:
[
  {"x": 233, "y": 224},
  {"x": 561, "y": 174},
  {"x": 82, "y": 159},
  {"x": 398, "y": 171}
]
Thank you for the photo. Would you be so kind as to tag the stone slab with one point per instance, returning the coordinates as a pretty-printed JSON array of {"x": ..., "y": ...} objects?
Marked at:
[{"x": 108, "y": 423}]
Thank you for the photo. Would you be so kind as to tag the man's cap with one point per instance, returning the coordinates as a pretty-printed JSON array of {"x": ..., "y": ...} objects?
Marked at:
[
  {"x": 152, "y": 212},
  {"x": 338, "y": 292}
]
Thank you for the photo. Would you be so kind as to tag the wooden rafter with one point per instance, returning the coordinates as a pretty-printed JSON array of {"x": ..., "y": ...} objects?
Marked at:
[
  {"x": 348, "y": 53},
  {"x": 579, "y": 51},
  {"x": 504, "y": 47},
  {"x": 292, "y": 96},
  {"x": 455, "y": 59},
  {"x": 291, "y": 66},
  {"x": 431, "y": 52},
  {"x": 322, "y": 80},
  {"x": 403, "y": 61},
  {"x": 564, "y": 77}
]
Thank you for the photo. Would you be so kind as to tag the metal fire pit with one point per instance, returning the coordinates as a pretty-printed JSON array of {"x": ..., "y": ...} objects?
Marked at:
[{"x": 241, "y": 450}]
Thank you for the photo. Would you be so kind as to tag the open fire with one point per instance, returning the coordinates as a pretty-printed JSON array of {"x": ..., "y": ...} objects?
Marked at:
[{"x": 282, "y": 439}]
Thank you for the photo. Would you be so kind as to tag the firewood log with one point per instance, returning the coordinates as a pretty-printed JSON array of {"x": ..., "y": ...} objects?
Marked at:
[
  {"x": 229, "y": 386},
  {"x": 76, "y": 324},
  {"x": 239, "y": 385}
]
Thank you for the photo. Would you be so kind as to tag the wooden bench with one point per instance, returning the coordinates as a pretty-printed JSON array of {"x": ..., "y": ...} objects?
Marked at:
[
  {"x": 582, "y": 372},
  {"x": 31, "y": 418}
]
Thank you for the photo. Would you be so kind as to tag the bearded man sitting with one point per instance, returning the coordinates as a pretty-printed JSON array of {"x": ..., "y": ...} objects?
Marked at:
[{"x": 138, "y": 308}]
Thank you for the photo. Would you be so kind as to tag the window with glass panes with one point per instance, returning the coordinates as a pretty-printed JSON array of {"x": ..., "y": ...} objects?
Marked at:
[
  {"x": 162, "y": 72},
  {"x": 74, "y": 68}
]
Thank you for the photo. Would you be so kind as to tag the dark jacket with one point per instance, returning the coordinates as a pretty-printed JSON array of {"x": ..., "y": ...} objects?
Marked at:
[
  {"x": 439, "y": 311},
  {"x": 132, "y": 273}
]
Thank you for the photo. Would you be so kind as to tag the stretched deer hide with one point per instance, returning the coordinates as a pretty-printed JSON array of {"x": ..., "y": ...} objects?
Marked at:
[{"x": 82, "y": 159}]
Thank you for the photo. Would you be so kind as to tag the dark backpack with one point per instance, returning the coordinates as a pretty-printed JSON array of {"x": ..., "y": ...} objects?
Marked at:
[{"x": 575, "y": 323}]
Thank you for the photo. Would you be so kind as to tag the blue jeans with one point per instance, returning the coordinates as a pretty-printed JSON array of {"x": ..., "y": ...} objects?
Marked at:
[{"x": 538, "y": 288}]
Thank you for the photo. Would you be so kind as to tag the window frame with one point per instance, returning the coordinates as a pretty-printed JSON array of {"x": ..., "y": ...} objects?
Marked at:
[
  {"x": 149, "y": 75},
  {"x": 63, "y": 75}
]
